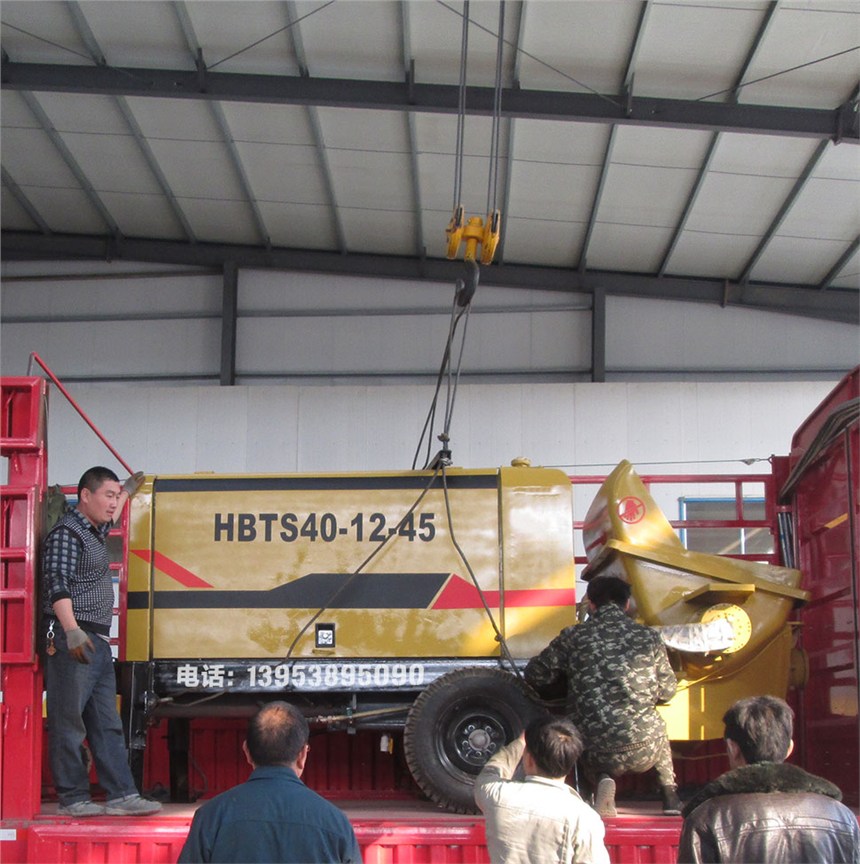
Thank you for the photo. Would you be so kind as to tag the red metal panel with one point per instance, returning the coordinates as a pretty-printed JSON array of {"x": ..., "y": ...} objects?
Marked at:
[
  {"x": 22, "y": 424},
  {"x": 827, "y": 514},
  {"x": 440, "y": 840},
  {"x": 340, "y": 765}
]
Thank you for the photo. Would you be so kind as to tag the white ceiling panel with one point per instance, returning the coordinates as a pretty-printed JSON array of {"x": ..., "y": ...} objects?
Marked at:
[
  {"x": 562, "y": 143},
  {"x": 66, "y": 210},
  {"x": 739, "y": 204},
  {"x": 227, "y": 28},
  {"x": 694, "y": 49},
  {"x": 144, "y": 35},
  {"x": 389, "y": 233},
  {"x": 14, "y": 213},
  {"x": 792, "y": 259},
  {"x": 543, "y": 241},
  {"x": 545, "y": 190},
  {"x": 143, "y": 215},
  {"x": 224, "y": 221},
  {"x": 299, "y": 226},
  {"x": 362, "y": 35},
  {"x": 633, "y": 248},
  {"x": 198, "y": 169},
  {"x": 112, "y": 166},
  {"x": 435, "y": 36},
  {"x": 711, "y": 254},
  {"x": 577, "y": 46},
  {"x": 850, "y": 274},
  {"x": 763, "y": 155},
  {"x": 371, "y": 181},
  {"x": 376, "y": 131},
  {"x": 827, "y": 209},
  {"x": 268, "y": 124},
  {"x": 44, "y": 31},
  {"x": 175, "y": 119},
  {"x": 806, "y": 32},
  {"x": 32, "y": 159},
  {"x": 283, "y": 173},
  {"x": 660, "y": 148},
  {"x": 71, "y": 112},
  {"x": 644, "y": 196}
]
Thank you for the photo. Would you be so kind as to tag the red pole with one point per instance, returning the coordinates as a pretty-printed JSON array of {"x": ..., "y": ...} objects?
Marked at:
[{"x": 77, "y": 408}]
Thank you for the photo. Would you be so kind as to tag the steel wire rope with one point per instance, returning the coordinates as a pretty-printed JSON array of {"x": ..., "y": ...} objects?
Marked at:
[
  {"x": 461, "y": 110},
  {"x": 453, "y": 386},
  {"x": 495, "y": 134},
  {"x": 503, "y": 645},
  {"x": 453, "y": 323}
]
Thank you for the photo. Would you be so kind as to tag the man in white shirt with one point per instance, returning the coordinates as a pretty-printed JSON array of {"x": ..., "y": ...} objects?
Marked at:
[{"x": 531, "y": 813}]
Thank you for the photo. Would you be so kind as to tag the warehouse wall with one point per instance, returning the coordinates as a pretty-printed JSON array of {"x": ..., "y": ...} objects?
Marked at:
[
  {"x": 337, "y": 374},
  {"x": 126, "y": 321}
]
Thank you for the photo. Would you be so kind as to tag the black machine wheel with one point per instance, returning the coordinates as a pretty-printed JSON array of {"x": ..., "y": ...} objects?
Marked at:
[{"x": 456, "y": 725}]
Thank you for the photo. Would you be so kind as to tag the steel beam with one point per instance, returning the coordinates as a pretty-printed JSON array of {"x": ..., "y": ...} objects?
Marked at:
[
  {"x": 804, "y": 300},
  {"x": 433, "y": 98}
]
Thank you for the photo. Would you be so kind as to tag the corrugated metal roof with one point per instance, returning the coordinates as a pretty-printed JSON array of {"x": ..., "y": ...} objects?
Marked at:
[{"x": 705, "y": 151}]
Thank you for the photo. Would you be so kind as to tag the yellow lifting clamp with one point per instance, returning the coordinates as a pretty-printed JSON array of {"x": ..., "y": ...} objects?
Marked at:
[
  {"x": 454, "y": 231},
  {"x": 491, "y": 236},
  {"x": 474, "y": 233}
]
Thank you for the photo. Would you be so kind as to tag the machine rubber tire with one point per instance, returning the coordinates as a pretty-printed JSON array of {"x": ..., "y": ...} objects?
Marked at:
[{"x": 456, "y": 724}]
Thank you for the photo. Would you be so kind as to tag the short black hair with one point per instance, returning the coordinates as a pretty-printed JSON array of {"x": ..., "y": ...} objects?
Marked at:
[
  {"x": 276, "y": 734},
  {"x": 608, "y": 589},
  {"x": 93, "y": 478},
  {"x": 555, "y": 744},
  {"x": 762, "y": 727}
]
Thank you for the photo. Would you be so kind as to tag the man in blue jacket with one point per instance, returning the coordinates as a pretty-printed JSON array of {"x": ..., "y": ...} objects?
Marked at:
[{"x": 273, "y": 816}]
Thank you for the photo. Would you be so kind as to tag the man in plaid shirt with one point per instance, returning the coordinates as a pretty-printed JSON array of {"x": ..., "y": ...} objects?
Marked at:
[{"x": 79, "y": 676}]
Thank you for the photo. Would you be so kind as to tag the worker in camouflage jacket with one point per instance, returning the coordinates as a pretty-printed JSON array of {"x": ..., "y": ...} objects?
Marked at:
[{"x": 615, "y": 672}]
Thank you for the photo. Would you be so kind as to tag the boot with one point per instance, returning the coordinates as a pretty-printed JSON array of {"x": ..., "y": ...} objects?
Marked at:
[
  {"x": 604, "y": 800},
  {"x": 671, "y": 801}
]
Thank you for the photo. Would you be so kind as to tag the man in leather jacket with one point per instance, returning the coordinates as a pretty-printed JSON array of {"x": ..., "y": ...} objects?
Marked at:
[{"x": 763, "y": 809}]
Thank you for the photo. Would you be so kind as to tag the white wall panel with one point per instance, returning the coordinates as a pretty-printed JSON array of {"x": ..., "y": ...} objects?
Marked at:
[
  {"x": 660, "y": 334},
  {"x": 668, "y": 427}
]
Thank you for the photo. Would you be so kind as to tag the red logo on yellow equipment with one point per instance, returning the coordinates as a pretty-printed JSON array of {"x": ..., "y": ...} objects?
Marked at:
[{"x": 631, "y": 509}]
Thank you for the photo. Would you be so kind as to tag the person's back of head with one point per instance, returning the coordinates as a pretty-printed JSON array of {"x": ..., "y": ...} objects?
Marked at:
[
  {"x": 608, "y": 589},
  {"x": 277, "y": 733},
  {"x": 762, "y": 727},
  {"x": 554, "y": 744}
]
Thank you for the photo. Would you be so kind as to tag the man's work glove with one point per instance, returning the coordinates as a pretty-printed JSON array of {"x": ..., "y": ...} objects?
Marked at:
[
  {"x": 133, "y": 483},
  {"x": 78, "y": 643}
]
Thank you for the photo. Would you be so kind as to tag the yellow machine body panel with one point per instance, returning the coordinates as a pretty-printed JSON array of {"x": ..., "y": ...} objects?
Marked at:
[
  {"x": 627, "y": 535},
  {"x": 350, "y": 565}
]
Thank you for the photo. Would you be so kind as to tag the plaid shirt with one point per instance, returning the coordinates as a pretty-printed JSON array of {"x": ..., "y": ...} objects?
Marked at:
[{"x": 76, "y": 564}]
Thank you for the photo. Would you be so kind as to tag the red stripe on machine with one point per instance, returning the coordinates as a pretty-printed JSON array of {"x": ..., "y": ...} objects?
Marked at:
[
  {"x": 172, "y": 569},
  {"x": 459, "y": 594}
]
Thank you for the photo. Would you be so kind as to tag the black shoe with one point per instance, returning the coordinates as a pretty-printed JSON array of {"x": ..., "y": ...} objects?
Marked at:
[{"x": 671, "y": 801}]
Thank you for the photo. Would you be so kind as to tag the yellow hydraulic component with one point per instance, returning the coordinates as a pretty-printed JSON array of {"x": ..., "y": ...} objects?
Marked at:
[
  {"x": 627, "y": 535},
  {"x": 474, "y": 232}
]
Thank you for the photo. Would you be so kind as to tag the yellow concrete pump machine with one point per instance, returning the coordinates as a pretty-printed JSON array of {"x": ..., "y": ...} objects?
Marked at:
[{"x": 413, "y": 599}]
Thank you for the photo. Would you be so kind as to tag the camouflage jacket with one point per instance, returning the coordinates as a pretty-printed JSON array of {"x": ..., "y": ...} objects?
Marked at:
[{"x": 616, "y": 671}]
